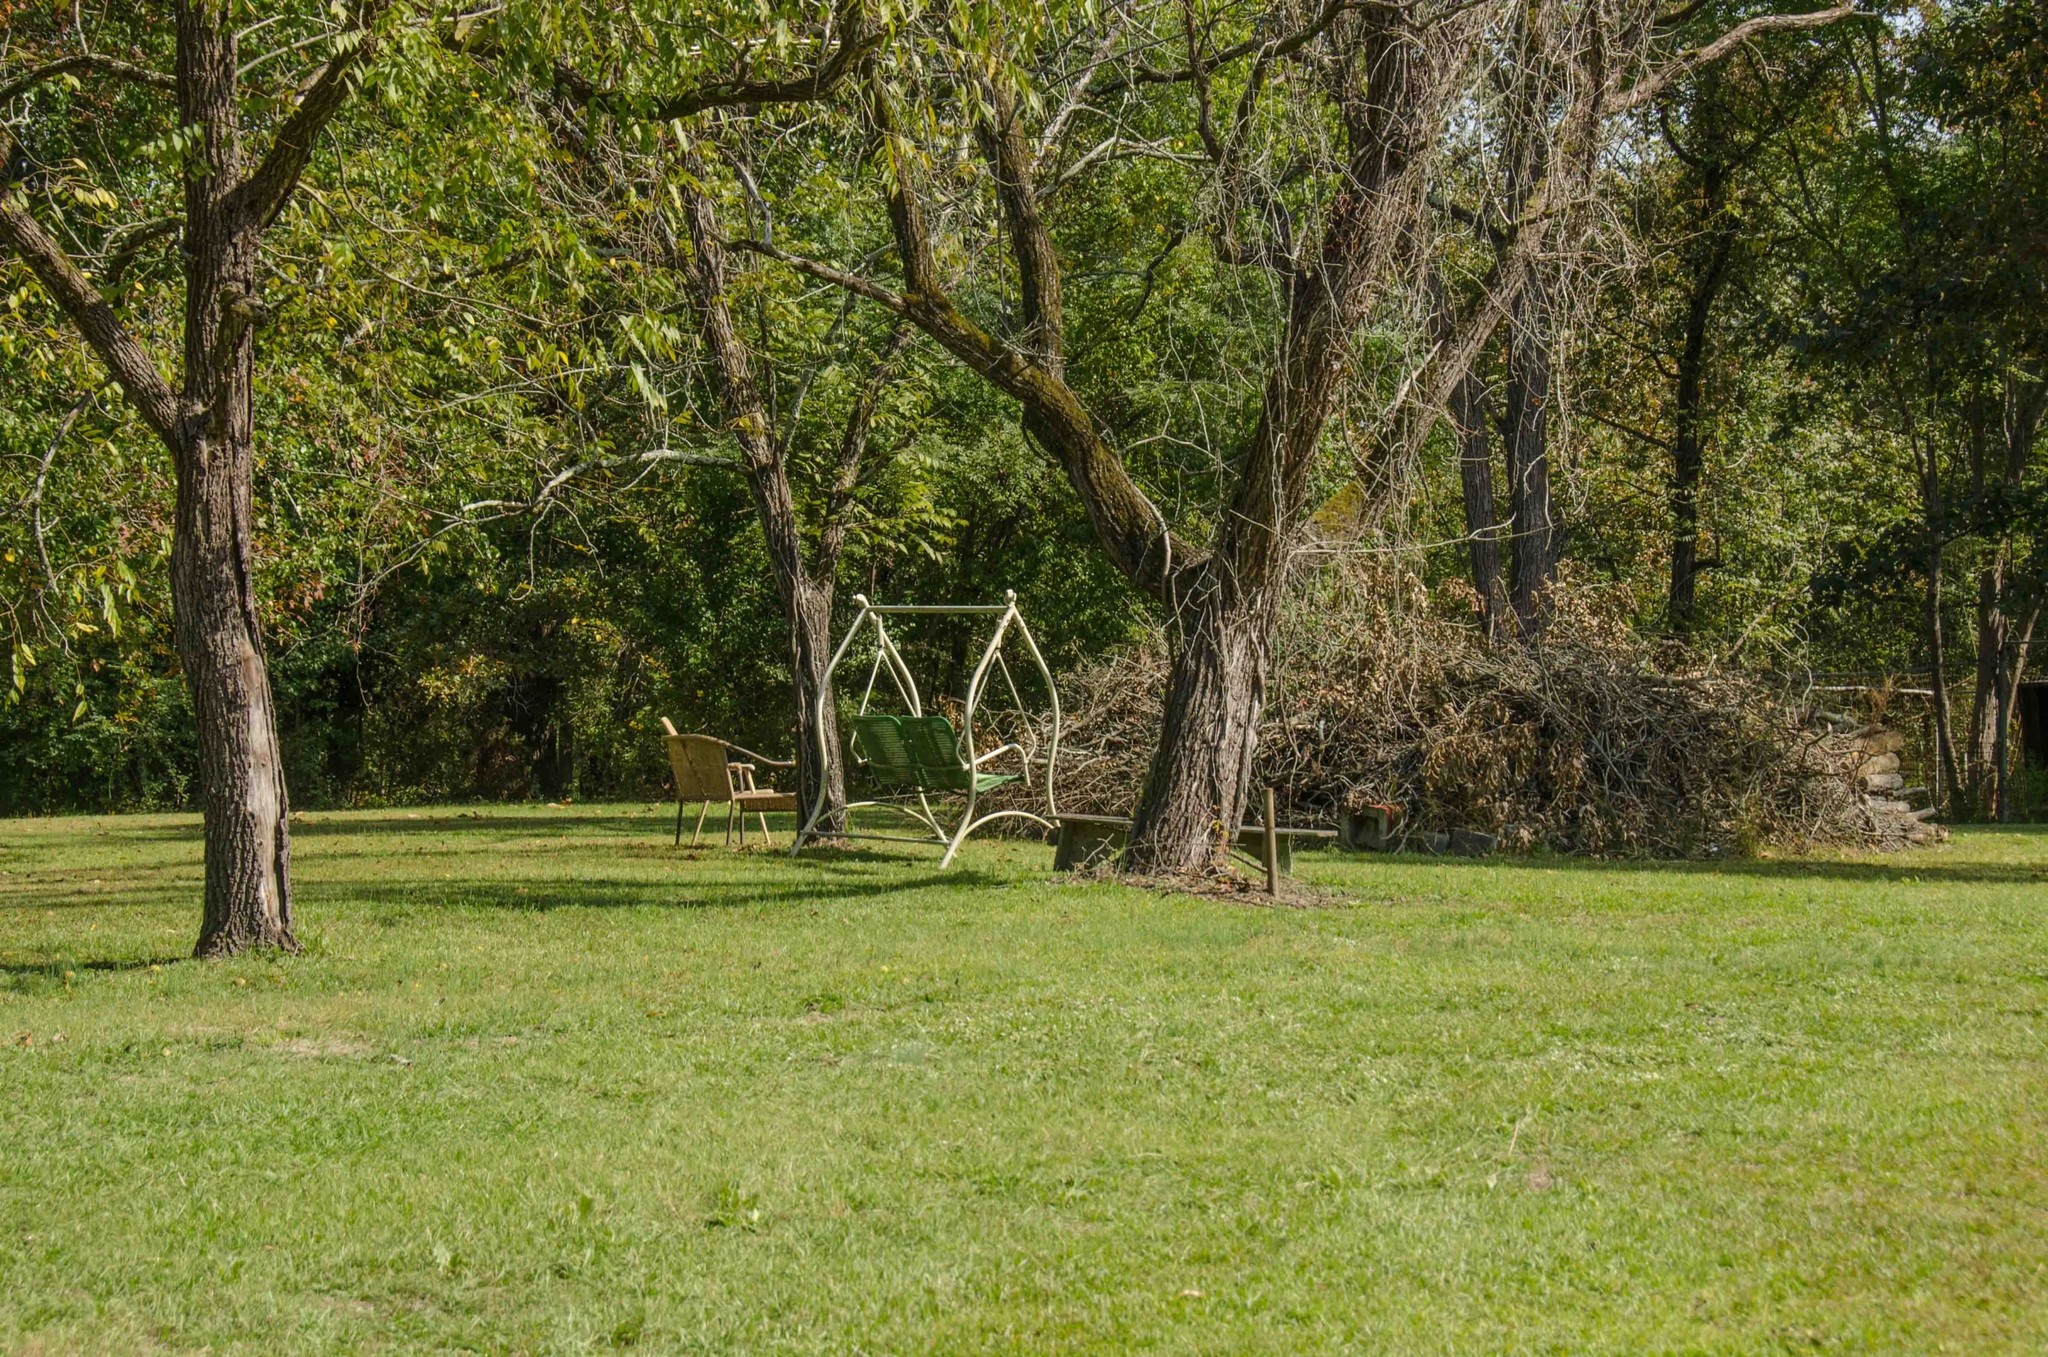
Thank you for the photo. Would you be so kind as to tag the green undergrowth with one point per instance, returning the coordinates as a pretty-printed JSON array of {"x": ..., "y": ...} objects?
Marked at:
[{"x": 542, "y": 1083}]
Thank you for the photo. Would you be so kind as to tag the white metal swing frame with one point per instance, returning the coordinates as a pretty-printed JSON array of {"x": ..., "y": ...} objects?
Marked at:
[{"x": 872, "y": 614}]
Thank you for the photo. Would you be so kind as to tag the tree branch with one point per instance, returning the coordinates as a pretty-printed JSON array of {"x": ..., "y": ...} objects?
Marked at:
[
  {"x": 825, "y": 273},
  {"x": 86, "y": 61},
  {"x": 856, "y": 39},
  {"x": 1653, "y": 84},
  {"x": 1270, "y": 49},
  {"x": 651, "y": 457},
  {"x": 261, "y": 196},
  {"x": 121, "y": 352}
]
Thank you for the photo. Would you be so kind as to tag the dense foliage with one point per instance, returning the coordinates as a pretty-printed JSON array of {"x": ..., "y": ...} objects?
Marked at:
[{"x": 1803, "y": 334}]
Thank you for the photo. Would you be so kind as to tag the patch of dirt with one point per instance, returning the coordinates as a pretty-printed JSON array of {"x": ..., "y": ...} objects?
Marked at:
[
  {"x": 1231, "y": 886},
  {"x": 324, "y": 1048}
]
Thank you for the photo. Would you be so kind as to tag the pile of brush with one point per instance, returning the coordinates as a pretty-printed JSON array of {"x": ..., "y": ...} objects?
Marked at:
[{"x": 1582, "y": 741}]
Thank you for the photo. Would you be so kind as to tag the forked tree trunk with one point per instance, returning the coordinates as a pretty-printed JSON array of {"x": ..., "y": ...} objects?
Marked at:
[
  {"x": 1999, "y": 658},
  {"x": 805, "y": 585},
  {"x": 207, "y": 424},
  {"x": 213, "y": 597},
  {"x": 1196, "y": 789}
]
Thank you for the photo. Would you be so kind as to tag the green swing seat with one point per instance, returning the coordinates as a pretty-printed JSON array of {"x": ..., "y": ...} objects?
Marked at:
[{"x": 918, "y": 753}]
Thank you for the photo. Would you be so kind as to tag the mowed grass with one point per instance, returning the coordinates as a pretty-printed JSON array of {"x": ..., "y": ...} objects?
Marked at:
[{"x": 542, "y": 1083}]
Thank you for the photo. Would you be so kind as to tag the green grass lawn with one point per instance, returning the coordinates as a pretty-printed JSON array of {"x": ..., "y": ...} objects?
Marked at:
[{"x": 542, "y": 1083}]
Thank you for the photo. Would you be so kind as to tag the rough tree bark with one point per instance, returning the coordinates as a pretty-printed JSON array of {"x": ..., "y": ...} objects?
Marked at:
[
  {"x": 1473, "y": 424},
  {"x": 207, "y": 423}
]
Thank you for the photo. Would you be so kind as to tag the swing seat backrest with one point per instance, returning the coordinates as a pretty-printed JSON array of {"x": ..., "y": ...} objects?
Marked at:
[
  {"x": 939, "y": 757},
  {"x": 937, "y": 751},
  {"x": 878, "y": 742}
]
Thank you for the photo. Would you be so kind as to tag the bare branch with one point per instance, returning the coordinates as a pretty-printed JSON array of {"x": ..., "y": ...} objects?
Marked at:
[
  {"x": 825, "y": 273},
  {"x": 1650, "y": 86},
  {"x": 548, "y": 489},
  {"x": 850, "y": 38},
  {"x": 87, "y": 61},
  {"x": 1271, "y": 49}
]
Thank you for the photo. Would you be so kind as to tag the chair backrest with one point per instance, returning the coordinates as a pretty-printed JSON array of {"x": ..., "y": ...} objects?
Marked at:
[
  {"x": 698, "y": 762},
  {"x": 878, "y": 742},
  {"x": 937, "y": 751}
]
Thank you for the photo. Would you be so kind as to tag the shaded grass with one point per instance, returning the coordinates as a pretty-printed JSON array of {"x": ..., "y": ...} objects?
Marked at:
[{"x": 544, "y": 1084}]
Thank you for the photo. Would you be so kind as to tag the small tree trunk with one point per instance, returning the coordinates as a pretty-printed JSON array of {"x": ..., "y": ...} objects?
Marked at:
[
  {"x": 2010, "y": 676},
  {"x": 1482, "y": 528},
  {"x": 1987, "y": 703},
  {"x": 1195, "y": 792},
  {"x": 1937, "y": 661},
  {"x": 1688, "y": 448},
  {"x": 1533, "y": 549},
  {"x": 810, "y": 642}
]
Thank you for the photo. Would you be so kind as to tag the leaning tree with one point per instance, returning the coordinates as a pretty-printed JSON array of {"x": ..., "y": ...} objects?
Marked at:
[
  {"x": 1308, "y": 137},
  {"x": 631, "y": 99},
  {"x": 212, "y": 139}
]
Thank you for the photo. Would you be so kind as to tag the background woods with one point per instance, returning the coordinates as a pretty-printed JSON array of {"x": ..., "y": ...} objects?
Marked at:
[{"x": 441, "y": 397}]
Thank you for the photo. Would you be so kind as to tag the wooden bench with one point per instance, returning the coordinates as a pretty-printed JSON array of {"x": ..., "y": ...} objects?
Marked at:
[{"x": 1087, "y": 839}]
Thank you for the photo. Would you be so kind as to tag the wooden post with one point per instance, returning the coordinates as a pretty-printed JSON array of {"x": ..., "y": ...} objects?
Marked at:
[{"x": 1272, "y": 847}]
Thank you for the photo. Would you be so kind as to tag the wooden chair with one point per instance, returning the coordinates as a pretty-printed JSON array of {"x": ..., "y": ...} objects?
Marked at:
[{"x": 706, "y": 772}]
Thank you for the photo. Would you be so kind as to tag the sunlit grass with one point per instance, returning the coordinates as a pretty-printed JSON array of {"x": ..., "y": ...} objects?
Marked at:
[{"x": 543, "y": 1083}]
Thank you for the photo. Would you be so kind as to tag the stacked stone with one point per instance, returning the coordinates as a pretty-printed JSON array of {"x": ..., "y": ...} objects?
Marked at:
[{"x": 1871, "y": 756}]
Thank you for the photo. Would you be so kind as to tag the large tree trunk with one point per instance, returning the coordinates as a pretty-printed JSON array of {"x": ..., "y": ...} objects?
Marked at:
[
  {"x": 220, "y": 645},
  {"x": 1533, "y": 545},
  {"x": 1948, "y": 784},
  {"x": 1998, "y": 657},
  {"x": 1474, "y": 427},
  {"x": 241, "y": 774},
  {"x": 206, "y": 423},
  {"x": 1196, "y": 789}
]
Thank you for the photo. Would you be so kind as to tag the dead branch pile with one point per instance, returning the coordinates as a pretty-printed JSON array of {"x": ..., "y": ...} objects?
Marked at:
[{"x": 1580, "y": 742}]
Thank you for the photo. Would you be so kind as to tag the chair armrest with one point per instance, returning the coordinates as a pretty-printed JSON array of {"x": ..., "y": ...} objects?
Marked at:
[
  {"x": 980, "y": 759},
  {"x": 752, "y": 757}
]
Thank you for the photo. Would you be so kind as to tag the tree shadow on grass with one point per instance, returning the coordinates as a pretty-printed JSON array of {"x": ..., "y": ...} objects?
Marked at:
[
  {"x": 537, "y": 895},
  {"x": 1908, "y": 867},
  {"x": 55, "y": 970},
  {"x": 344, "y": 824}
]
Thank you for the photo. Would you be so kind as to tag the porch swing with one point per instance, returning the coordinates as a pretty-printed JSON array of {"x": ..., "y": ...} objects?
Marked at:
[{"x": 911, "y": 758}]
